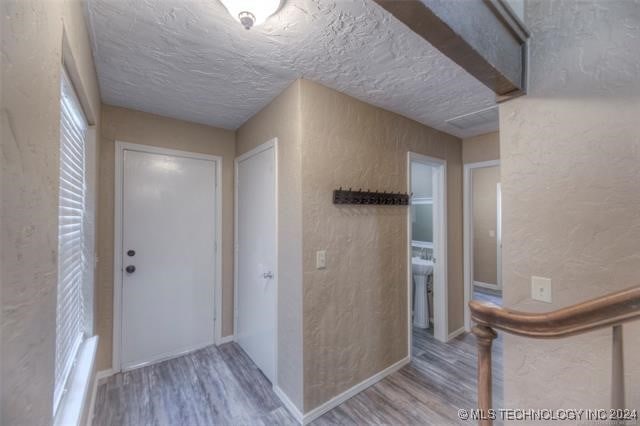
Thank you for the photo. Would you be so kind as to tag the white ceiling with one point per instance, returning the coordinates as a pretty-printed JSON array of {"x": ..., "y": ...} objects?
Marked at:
[{"x": 189, "y": 59}]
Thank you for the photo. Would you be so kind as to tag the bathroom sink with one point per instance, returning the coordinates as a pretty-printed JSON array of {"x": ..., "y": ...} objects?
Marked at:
[
  {"x": 421, "y": 269},
  {"x": 421, "y": 266}
]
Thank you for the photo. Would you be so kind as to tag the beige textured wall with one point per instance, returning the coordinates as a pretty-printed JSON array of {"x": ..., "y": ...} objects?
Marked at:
[
  {"x": 570, "y": 183},
  {"x": 485, "y": 267},
  {"x": 30, "y": 143},
  {"x": 355, "y": 310},
  {"x": 481, "y": 148},
  {"x": 281, "y": 119},
  {"x": 147, "y": 129}
]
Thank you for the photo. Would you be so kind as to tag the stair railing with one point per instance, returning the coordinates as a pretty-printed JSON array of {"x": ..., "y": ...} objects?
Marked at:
[{"x": 611, "y": 310}]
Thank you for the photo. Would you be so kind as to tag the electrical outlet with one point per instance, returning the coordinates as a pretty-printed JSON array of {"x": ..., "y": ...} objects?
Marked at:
[
  {"x": 541, "y": 289},
  {"x": 321, "y": 259}
]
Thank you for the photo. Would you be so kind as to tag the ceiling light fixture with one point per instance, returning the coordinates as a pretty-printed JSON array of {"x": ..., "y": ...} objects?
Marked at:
[{"x": 251, "y": 12}]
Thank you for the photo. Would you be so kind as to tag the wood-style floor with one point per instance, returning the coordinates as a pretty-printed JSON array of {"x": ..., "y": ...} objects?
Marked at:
[
  {"x": 213, "y": 386},
  {"x": 440, "y": 379},
  {"x": 222, "y": 386}
]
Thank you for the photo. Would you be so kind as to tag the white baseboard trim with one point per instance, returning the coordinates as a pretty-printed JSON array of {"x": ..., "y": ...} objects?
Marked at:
[
  {"x": 102, "y": 374},
  {"x": 339, "y": 399},
  {"x": 225, "y": 339},
  {"x": 487, "y": 285},
  {"x": 456, "y": 333},
  {"x": 289, "y": 405}
]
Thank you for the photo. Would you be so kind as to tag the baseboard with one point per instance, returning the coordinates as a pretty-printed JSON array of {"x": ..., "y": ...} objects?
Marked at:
[
  {"x": 289, "y": 405},
  {"x": 456, "y": 333},
  {"x": 102, "y": 374},
  {"x": 349, "y": 393},
  {"x": 225, "y": 339}
]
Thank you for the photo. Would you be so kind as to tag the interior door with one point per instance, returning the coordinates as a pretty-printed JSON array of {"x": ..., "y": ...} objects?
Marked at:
[
  {"x": 256, "y": 257},
  {"x": 168, "y": 256}
]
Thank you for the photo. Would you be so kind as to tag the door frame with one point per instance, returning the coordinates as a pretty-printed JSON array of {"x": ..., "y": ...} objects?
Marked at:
[
  {"x": 499, "y": 234},
  {"x": 120, "y": 147},
  {"x": 272, "y": 143},
  {"x": 440, "y": 283},
  {"x": 468, "y": 235}
]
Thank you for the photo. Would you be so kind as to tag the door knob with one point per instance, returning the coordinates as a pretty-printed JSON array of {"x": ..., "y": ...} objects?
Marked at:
[
  {"x": 130, "y": 269},
  {"x": 268, "y": 275}
]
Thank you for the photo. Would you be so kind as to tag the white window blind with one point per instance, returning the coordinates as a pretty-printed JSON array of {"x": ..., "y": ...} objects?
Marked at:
[{"x": 72, "y": 247}]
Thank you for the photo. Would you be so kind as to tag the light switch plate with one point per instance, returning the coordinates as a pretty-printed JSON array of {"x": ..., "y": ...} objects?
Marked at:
[
  {"x": 321, "y": 259},
  {"x": 492, "y": 233},
  {"x": 541, "y": 289}
]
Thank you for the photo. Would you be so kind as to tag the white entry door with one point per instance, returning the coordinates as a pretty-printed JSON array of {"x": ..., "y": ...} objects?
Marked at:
[
  {"x": 168, "y": 256},
  {"x": 256, "y": 256}
]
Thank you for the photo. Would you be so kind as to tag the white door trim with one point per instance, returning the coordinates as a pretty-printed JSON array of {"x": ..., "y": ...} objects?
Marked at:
[
  {"x": 120, "y": 147},
  {"x": 272, "y": 143},
  {"x": 440, "y": 285},
  {"x": 499, "y": 233},
  {"x": 468, "y": 234}
]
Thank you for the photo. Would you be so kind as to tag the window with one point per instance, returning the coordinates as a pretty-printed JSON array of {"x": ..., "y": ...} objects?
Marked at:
[
  {"x": 422, "y": 222},
  {"x": 74, "y": 251}
]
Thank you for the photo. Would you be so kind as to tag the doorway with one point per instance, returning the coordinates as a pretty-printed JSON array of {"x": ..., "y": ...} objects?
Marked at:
[
  {"x": 167, "y": 265},
  {"x": 482, "y": 234},
  {"x": 427, "y": 249},
  {"x": 256, "y": 259}
]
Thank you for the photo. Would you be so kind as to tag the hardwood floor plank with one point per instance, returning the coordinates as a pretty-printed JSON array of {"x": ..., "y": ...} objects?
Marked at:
[
  {"x": 223, "y": 393},
  {"x": 250, "y": 377},
  {"x": 212, "y": 386},
  {"x": 222, "y": 386},
  {"x": 440, "y": 379}
]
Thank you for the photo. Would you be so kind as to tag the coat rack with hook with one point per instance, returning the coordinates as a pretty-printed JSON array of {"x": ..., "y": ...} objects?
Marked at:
[{"x": 360, "y": 197}]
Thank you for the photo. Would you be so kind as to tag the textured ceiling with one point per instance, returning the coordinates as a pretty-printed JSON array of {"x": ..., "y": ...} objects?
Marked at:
[{"x": 191, "y": 60}]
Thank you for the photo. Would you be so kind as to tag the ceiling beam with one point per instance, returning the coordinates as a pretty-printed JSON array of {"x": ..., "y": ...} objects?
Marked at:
[{"x": 484, "y": 37}]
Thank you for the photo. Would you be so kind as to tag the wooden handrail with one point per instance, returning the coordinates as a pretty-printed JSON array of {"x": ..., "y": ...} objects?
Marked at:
[{"x": 607, "y": 311}]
